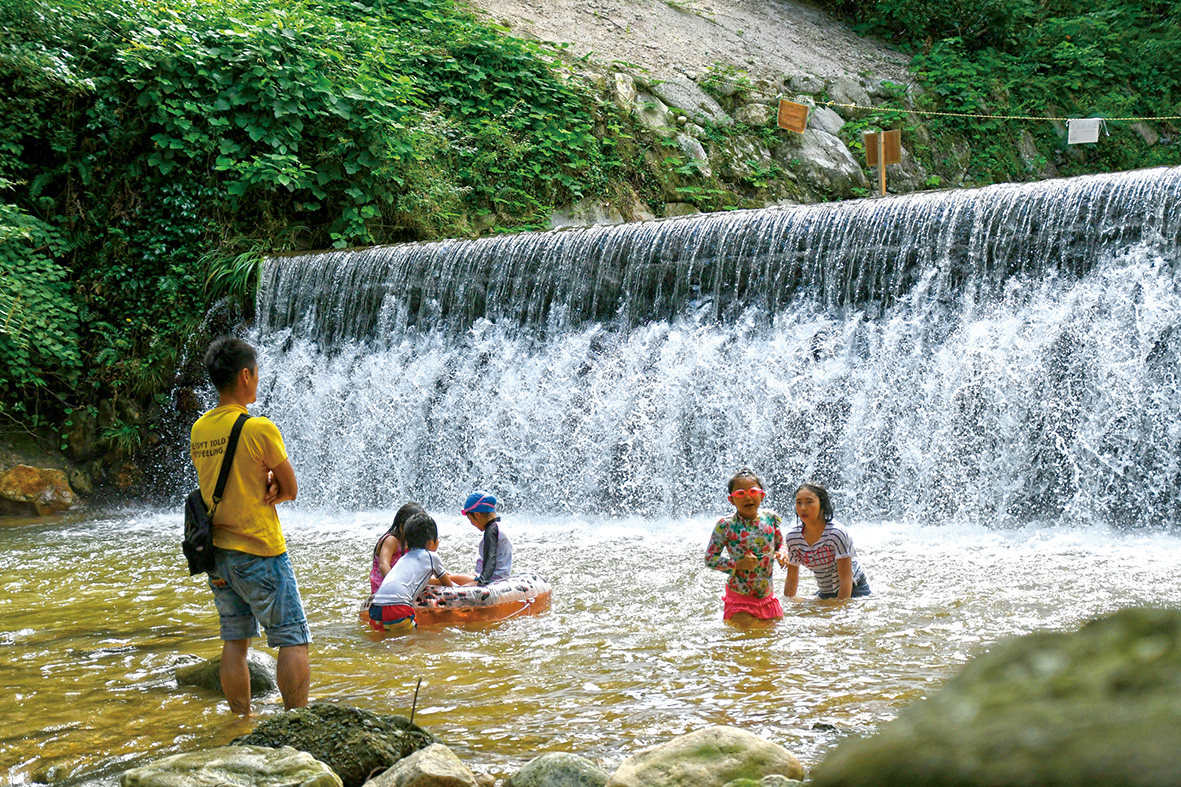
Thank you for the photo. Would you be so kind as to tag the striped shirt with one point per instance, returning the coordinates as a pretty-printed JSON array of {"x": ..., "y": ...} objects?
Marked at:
[{"x": 834, "y": 543}]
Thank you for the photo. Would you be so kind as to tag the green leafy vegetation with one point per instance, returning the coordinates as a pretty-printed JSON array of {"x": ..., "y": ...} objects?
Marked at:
[
  {"x": 1059, "y": 58},
  {"x": 153, "y": 152}
]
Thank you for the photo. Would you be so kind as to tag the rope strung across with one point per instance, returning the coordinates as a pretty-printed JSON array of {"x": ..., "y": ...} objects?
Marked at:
[{"x": 970, "y": 115}]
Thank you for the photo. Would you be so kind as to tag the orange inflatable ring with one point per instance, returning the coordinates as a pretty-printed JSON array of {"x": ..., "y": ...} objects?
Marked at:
[{"x": 520, "y": 594}]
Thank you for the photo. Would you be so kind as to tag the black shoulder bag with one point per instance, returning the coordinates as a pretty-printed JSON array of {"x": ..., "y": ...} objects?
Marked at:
[{"x": 198, "y": 541}]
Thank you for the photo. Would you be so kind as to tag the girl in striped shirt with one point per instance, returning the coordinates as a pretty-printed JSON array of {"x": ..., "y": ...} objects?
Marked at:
[{"x": 823, "y": 545}]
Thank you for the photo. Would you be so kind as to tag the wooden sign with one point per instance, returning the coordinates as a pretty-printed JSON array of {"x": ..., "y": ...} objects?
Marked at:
[
  {"x": 890, "y": 144},
  {"x": 792, "y": 116}
]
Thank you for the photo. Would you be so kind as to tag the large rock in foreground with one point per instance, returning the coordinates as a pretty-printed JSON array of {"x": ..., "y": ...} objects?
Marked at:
[
  {"x": 1098, "y": 707},
  {"x": 352, "y": 742},
  {"x": 207, "y": 674},
  {"x": 558, "y": 770},
  {"x": 710, "y": 757},
  {"x": 246, "y": 766}
]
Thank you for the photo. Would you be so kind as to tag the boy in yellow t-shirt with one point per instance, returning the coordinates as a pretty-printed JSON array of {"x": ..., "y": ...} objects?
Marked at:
[{"x": 252, "y": 580}]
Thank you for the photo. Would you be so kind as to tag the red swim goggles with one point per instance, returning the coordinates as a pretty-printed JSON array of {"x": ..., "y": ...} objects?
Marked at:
[{"x": 742, "y": 494}]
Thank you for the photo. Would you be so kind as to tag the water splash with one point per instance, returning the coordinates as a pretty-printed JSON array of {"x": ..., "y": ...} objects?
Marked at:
[{"x": 1003, "y": 355}]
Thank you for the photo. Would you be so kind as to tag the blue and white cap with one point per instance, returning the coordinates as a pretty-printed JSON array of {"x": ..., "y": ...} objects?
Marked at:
[{"x": 479, "y": 501}]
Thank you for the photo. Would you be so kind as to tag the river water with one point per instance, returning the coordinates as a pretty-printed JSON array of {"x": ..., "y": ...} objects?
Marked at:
[
  {"x": 988, "y": 382},
  {"x": 97, "y": 613}
]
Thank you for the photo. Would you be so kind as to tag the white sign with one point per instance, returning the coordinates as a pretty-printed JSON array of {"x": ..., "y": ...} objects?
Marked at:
[{"x": 1082, "y": 131}]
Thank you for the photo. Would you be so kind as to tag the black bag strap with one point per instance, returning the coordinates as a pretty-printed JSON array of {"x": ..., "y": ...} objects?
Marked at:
[{"x": 227, "y": 459}]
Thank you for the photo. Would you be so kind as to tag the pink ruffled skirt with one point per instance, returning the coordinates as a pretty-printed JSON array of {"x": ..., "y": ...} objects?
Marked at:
[{"x": 762, "y": 608}]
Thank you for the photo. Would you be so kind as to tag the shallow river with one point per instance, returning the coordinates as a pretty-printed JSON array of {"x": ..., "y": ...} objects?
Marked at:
[{"x": 96, "y": 614}]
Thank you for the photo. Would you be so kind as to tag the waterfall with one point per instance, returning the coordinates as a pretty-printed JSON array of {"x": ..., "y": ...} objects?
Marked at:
[{"x": 1002, "y": 355}]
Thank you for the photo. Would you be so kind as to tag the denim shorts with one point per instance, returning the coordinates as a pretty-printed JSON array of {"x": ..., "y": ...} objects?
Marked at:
[
  {"x": 250, "y": 590},
  {"x": 860, "y": 589}
]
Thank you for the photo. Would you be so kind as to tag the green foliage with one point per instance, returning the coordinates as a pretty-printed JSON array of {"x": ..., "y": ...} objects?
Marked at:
[
  {"x": 123, "y": 437},
  {"x": 724, "y": 79},
  {"x": 172, "y": 143},
  {"x": 1058, "y": 58},
  {"x": 39, "y": 348}
]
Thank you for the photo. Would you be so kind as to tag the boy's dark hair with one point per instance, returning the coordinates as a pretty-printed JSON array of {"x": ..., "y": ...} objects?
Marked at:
[
  {"x": 745, "y": 472},
  {"x": 226, "y": 357},
  {"x": 420, "y": 530},
  {"x": 821, "y": 495}
]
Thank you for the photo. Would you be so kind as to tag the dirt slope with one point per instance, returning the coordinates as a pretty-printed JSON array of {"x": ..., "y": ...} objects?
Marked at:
[{"x": 667, "y": 38}]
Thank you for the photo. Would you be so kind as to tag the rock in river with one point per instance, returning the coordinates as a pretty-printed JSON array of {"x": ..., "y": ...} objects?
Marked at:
[
  {"x": 707, "y": 758},
  {"x": 247, "y": 766},
  {"x": 558, "y": 769},
  {"x": 351, "y": 741},
  {"x": 207, "y": 674},
  {"x": 1098, "y": 707}
]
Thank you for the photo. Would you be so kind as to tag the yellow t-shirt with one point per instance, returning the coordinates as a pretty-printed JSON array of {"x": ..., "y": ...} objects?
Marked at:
[{"x": 242, "y": 520}]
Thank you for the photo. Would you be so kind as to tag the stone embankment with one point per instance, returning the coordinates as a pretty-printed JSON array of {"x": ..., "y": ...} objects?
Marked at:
[
  {"x": 703, "y": 144},
  {"x": 1099, "y": 707}
]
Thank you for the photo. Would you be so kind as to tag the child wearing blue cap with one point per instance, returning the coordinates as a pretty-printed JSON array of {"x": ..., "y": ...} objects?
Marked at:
[{"x": 496, "y": 551}]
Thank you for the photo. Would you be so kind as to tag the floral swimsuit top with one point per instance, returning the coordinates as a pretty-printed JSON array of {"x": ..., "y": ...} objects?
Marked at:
[{"x": 737, "y": 536}]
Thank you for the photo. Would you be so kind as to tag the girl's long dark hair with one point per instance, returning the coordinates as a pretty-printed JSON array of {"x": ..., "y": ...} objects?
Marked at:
[{"x": 397, "y": 528}]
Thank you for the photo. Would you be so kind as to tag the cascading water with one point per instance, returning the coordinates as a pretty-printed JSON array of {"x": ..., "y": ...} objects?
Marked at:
[{"x": 999, "y": 355}]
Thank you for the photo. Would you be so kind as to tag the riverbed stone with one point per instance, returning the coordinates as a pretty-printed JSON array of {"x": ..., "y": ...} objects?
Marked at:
[
  {"x": 351, "y": 741},
  {"x": 822, "y": 161},
  {"x": 207, "y": 674},
  {"x": 756, "y": 114},
  {"x": 559, "y": 769},
  {"x": 587, "y": 212},
  {"x": 825, "y": 119},
  {"x": 434, "y": 766},
  {"x": 846, "y": 90},
  {"x": 710, "y": 757},
  {"x": 1098, "y": 707},
  {"x": 689, "y": 97},
  {"x": 45, "y": 490},
  {"x": 246, "y": 766},
  {"x": 653, "y": 114},
  {"x": 673, "y": 209},
  {"x": 806, "y": 83}
]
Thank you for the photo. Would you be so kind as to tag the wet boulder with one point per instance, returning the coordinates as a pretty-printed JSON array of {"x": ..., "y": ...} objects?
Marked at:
[
  {"x": 711, "y": 757},
  {"x": 434, "y": 766},
  {"x": 248, "y": 766},
  {"x": 353, "y": 742},
  {"x": 207, "y": 674},
  {"x": 559, "y": 769},
  {"x": 1100, "y": 707},
  {"x": 44, "y": 490}
]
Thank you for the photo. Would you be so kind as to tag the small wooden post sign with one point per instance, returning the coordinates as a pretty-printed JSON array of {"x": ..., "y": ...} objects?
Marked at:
[
  {"x": 882, "y": 148},
  {"x": 792, "y": 116}
]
